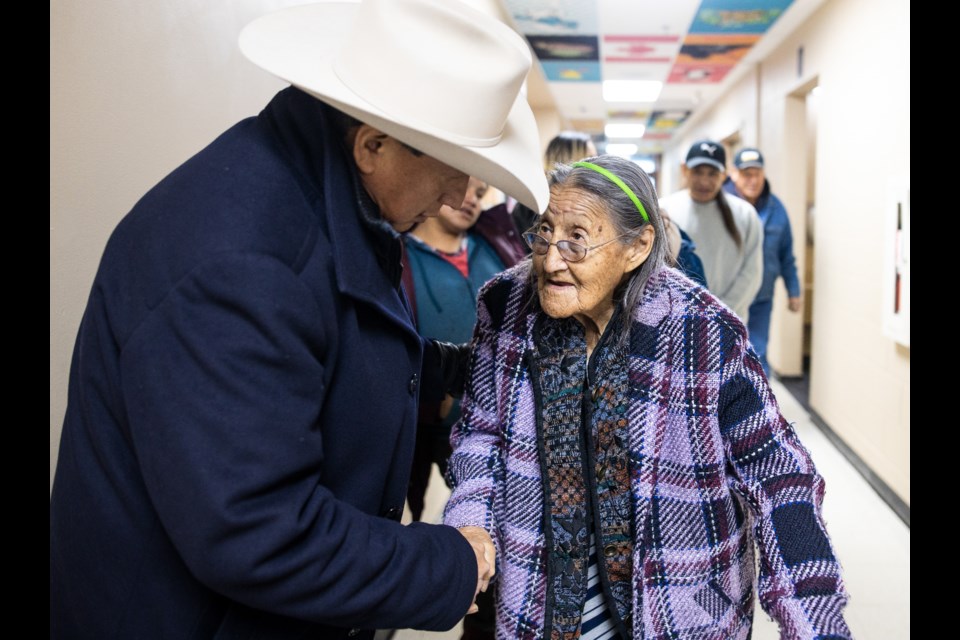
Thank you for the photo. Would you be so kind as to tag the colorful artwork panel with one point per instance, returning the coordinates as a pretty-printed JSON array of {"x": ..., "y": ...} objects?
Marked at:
[
  {"x": 699, "y": 73},
  {"x": 666, "y": 120},
  {"x": 737, "y": 16},
  {"x": 624, "y": 48},
  {"x": 545, "y": 17},
  {"x": 571, "y": 71},
  {"x": 565, "y": 47},
  {"x": 719, "y": 49}
]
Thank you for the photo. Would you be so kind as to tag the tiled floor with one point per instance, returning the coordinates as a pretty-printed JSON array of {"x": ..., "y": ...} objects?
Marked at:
[{"x": 872, "y": 543}]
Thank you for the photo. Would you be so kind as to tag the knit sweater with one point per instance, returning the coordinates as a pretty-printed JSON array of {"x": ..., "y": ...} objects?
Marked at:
[
  {"x": 733, "y": 274},
  {"x": 718, "y": 473}
]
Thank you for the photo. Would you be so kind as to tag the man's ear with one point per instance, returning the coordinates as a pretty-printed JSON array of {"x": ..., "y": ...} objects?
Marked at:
[
  {"x": 640, "y": 248},
  {"x": 368, "y": 148}
]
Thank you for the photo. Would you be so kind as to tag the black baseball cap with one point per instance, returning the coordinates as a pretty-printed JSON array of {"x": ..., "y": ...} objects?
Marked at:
[
  {"x": 748, "y": 157},
  {"x": 707, "y": 152}
]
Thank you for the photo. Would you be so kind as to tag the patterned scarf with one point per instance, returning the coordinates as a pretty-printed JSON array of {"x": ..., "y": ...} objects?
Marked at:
[{"x": 576, "y": 497}]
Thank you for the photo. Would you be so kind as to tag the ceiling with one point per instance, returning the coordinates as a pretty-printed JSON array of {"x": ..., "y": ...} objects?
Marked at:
[{"x": 697, "y": 48}]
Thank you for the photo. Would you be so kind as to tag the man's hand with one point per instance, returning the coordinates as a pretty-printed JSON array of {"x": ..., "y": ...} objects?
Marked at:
[
  {"x": 482, "y": 545},
  {"x": 453, "y": 365},
  {"x": 793, "y": 304}
]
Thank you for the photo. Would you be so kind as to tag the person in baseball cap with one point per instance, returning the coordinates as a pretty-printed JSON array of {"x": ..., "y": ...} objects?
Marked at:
[
  {"x": 724, "y": 228},
  {"x": 748, "y": 158},
  {"x": 707, "y": 152},
  {"x": 245, "y": 385},
  {"x": 748, "y": 180}
]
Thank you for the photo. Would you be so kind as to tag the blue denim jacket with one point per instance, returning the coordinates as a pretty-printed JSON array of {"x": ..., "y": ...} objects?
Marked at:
[{"x": 778, "y": 258}]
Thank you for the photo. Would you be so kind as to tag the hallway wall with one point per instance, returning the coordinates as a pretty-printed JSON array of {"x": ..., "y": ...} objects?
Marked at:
[{"x": 859, "y": 53}]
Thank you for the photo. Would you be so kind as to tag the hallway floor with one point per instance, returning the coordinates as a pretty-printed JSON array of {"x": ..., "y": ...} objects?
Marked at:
[{"x": 872, "y": 543}]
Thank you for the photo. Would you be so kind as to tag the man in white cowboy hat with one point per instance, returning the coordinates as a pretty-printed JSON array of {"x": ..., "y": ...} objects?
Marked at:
[{"x": 245, "y": 382}]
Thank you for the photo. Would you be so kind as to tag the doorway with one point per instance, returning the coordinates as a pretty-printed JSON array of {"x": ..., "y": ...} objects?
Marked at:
[{"x": 801, "y": 117}]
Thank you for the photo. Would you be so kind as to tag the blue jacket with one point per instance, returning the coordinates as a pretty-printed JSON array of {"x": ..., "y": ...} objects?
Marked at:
[
  {"x": 778, "y": 258},
  {"x": 688, "y": 261},
  {"x": 242, "y": 408}
]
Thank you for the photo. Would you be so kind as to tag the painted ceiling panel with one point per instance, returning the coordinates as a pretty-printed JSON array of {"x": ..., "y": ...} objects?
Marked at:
[
  {"x": 691, "y": 46},
  {"x": 737, "y": 16},
  {"x": 556, "y": 17}
]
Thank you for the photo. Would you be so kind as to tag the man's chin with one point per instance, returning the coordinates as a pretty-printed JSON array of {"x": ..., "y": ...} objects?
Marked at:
[{"x": 406, "y": 225}]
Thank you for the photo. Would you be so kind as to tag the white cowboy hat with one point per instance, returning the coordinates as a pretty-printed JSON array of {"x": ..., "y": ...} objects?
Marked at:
[{"x": 439, "y": 75}]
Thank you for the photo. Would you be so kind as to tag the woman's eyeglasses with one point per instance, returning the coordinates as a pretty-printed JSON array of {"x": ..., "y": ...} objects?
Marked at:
[{"x": 570, "y": 251}]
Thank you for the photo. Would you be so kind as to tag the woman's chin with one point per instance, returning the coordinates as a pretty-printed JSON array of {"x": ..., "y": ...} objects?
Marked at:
[{"x": 556, "y": 308}]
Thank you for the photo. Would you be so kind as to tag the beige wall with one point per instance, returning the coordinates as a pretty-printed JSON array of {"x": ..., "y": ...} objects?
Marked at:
[
  {"x": 136, "y": 88},
  {"x": 858, "y": 51}
]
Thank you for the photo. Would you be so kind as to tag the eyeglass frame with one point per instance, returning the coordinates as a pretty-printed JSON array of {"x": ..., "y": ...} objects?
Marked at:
[{"x": 586, "y": 249}]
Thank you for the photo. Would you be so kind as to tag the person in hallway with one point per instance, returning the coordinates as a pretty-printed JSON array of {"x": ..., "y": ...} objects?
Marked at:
[
  {"x": 245, "y": 383},
  {"x": 623, "y": 447},
  {"x": 748, "y": 181},
  {"x": 446, "y": 261},
  {"x": 725, "y": 228}
]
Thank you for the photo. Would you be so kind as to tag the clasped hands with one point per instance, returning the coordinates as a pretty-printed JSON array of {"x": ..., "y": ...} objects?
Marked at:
[{"x": 483, "y": 547}]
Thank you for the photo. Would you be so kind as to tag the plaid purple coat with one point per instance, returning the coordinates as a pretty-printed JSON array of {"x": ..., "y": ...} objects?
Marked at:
[{"x": 715, "y": 467}]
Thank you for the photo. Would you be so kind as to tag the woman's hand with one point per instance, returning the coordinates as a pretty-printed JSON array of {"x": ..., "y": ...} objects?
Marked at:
[{"x": 482, "y": 545}]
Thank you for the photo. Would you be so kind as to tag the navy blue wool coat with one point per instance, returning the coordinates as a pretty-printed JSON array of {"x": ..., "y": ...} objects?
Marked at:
[{"x": 242, "y": 407}]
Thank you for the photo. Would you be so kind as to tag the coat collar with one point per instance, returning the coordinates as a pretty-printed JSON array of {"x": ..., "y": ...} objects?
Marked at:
[{"x": 365, "y": 249}]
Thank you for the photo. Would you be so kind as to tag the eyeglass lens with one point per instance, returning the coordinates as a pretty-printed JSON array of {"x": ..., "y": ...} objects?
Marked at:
[{"x": 570, "y": 251}]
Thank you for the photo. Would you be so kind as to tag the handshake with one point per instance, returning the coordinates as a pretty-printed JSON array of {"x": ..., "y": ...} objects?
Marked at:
[{"x": 482, "y": 545}]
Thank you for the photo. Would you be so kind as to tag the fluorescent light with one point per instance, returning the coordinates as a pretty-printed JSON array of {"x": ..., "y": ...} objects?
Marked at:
[
  {"x": 631, "y": 90},
  {"x": 647, "y": 165},
  {"x": 625, "y": 150},
  {"x": 624, "y": 130}
]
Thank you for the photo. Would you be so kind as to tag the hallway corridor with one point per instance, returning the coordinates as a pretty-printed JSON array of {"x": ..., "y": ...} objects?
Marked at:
[{"x": 872, "y": 543}]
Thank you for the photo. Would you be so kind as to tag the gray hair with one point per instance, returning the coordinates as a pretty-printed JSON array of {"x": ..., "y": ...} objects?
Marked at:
[{"x": 624, "y": 215}]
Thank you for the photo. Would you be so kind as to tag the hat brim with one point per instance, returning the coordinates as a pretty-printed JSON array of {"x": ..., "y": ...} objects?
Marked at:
[
  {"x": 750, "y": 165},
  {"x": 696, "y": 162},
  {"x": 299, "y": 44}
]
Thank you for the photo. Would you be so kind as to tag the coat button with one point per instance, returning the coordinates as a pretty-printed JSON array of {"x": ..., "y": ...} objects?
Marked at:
[
  {"x": 414, "y": 380},
  {"x": 596, "y": 394},
  {"x": 610, "y": 550},
  {"x": 353, "y": 632},
  {"x": 393, "y": 513}
]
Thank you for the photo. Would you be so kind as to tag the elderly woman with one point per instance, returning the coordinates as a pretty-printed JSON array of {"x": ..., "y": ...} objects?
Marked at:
[{"x": 621, "y": 445}]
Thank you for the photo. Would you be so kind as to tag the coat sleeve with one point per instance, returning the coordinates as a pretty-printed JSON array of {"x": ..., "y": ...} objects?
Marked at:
[
  {"x": 475, "y": 467},
  {"x": 788, "y": 263},
  {"x": 224, "y": 386},
  {"x": 800, "y": 582}
]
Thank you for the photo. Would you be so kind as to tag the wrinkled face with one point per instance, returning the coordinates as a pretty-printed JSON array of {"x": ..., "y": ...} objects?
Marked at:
[
  {"x": 749, "y": 182},
  {"x": 407, "y": 186},
  {"x": 582, "y": 289},
  {"x": 458, "y": 221},
  {"x": 705, "y": 182}
]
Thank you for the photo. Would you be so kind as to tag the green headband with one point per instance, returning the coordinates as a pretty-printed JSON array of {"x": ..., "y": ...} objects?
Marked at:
[{"x": 609, "y": 175}]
